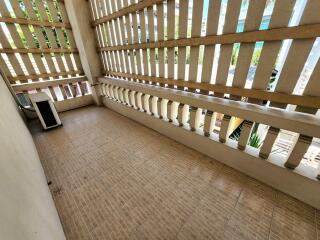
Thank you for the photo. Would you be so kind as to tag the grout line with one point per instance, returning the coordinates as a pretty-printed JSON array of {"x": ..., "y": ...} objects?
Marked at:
[
  {"x": 269, "y": 234},
  {"x": 316, "y": 222}
]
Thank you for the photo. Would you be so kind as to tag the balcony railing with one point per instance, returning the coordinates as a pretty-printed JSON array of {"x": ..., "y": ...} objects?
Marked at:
[
  {"x": 67, "y": 93},
  {"x": 186, "y": 108}
]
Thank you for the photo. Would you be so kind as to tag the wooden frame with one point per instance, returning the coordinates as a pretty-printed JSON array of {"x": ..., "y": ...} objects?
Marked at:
[
  {"x": 45, "y": 84},
  {"x": 43, "y": 75},
  {"x": 298, "y": 32},
  {"x": 38, "y": 50},
  {"x": 46, "y": 50},
  {"x": 125, "y": 11},
  {"x": 23, "y": 21}
]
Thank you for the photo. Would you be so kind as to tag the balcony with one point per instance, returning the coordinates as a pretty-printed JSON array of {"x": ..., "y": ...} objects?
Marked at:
[
  {"x": 112, "y": 178},
  {"x": 180, "y": 120}
]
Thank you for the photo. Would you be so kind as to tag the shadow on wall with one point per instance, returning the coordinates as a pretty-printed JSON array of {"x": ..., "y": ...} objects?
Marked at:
[{"x": 26, "y": 206}]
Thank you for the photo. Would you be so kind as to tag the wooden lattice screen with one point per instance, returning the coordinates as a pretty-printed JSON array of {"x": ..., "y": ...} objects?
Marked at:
[
  {"x": 144, "y": 40},
  {"x": 37, "y": 45},
  {"x": 259, "y": 52}
]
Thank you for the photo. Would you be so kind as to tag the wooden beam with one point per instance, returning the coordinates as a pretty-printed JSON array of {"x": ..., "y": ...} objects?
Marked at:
[
  {"x": 45, "y": 84},
  {"x": 23, "y": 21},
  {"x": 124, "y": 11},
  {"x": 38, "y": 50},
  {"x": 298, "y": 32},
  {"x": 43, "y": 75},
  {"x": 306, "y": 101}
]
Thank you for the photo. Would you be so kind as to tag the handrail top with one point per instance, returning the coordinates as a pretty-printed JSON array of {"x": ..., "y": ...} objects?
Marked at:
[{"x": 302, "y": 123}]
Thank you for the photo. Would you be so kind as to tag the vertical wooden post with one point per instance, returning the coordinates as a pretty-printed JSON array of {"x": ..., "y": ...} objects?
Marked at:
[
  {"x": 79, "y": 17},
  {"x": 209, "y": 121},
  {"x": 182, "y": 114},
  {"x": 268, "y": 142},
  {"x": 111, "y": 92},
  {"x": 159, "y": 108},
  {"x": 223, "y": 134},
  {"x": 108, "y": 92},
  {"x": 63, "y": 92},
  {"x": 245, "y": 134},
  {"x": 143, "y": 102},
  {"x": 53, "y": 94},
  {"x": 73, "y": 89},
  {"x": 133, "y": 99},
  {"x": 298, "y": 151},
  {"x": 103, "y": 89},
  {"x": 127, "y": 97},
  {"x": 172, "y": 111},
  {"x": 194, "y": 117},
  {"x": 151, "y": 107}
]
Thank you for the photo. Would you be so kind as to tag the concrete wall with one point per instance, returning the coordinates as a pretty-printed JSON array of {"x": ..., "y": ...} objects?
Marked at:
[{"x": 27, "y": 210}]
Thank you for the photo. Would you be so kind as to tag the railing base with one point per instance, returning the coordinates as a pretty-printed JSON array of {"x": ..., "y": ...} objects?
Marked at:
[
  {"x": 73, "y": 103},
  {"x": 67, "y": 104},
  {"x": 267, "y": 171}
]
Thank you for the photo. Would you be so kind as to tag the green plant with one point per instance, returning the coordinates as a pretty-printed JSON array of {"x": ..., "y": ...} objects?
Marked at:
[
  {"x": 235, "y": 136},
  {"x": 255, "y": 140},
  {"x": 256, "y": 56}
]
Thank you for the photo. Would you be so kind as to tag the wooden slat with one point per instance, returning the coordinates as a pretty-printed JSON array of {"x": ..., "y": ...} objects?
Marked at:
[
  {"x": 43, "y": 75},
  {"x": 151, "y": 39},
  {"x": 118, "y": 38},
  {"x": 312, "y": 89},
  {"x": 160, "y": 28},
  {"x": 61, "y": 37},
  {"x": 253, "y": 21},
  {"x": 40, "y": 37},
  {"x": 195, "y": 32},
  {"x": 23, "y": 21},
  {"x": 125, "y": 11},
  {"x": 209, "y": 50},
  {"x": 277, "y": 34},
  {"x": 102, "y": 34},
  {"x": 48, "y": 59},
  {"x": 29, "y": 38},
  {"x": 115, "y": 34},
  {"x": 230, "y": 26},
  {"x": 183, "y": 27},
  {"x": 144, "y": 39},
  {"x": 16, "y": 38},
  {"x": 39, "y": 62},
  {"x": 4, "y": 67},
  {"x": 50, "y": 34},
  {"x": 12, "y": 58},
  {"x": 171, "y": 33},
  {"x": 137, "y": 54},
  {"x": 293, "y": 65},
  {"x": 37, "y": 50},
  {"x": 307, "y": 101},
  {"x": 129, "y": 40},
  {"x": 124, "y": 61},
  {"x": 124, "y": 41},
  {"x": 281, "y": 15},
  {"x": 45, "y": 84}
]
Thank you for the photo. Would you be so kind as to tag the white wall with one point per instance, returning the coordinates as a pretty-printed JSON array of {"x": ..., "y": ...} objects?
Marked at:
[{"x": 27, "y": 210}]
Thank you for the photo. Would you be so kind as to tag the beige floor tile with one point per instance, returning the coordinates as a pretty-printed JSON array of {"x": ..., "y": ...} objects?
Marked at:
[{"x": 112, "y": 178}]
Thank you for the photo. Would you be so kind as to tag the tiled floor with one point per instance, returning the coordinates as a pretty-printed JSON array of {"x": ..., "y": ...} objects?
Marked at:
[{"x": 112, "y": 178}]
